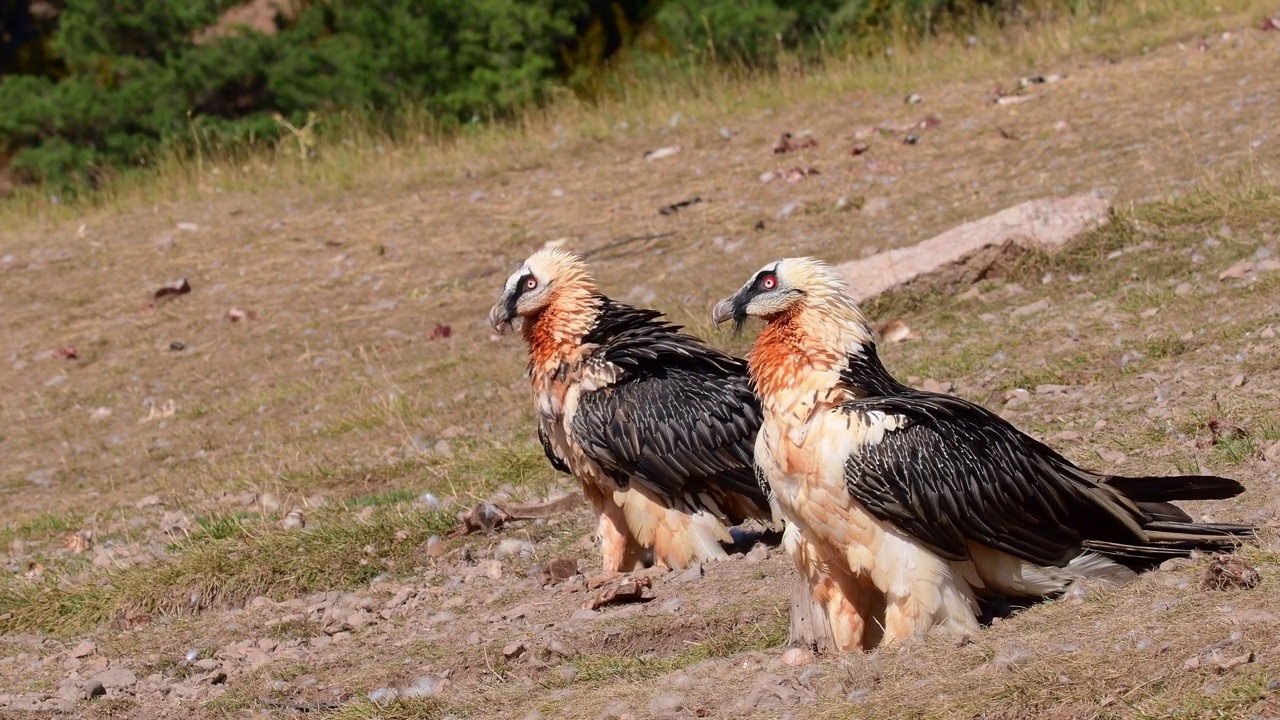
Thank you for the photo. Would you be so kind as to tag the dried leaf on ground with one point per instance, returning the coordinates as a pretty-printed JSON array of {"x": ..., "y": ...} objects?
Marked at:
[
  {"x": 788, "y": 143},
  {"x": 173, "y": 289},
  {"x": 676, "y": 207}
]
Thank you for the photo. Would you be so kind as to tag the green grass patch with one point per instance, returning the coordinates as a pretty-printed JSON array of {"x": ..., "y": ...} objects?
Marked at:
[
  {"x": 1236, "y": 450},
  {"x": 485, "y": 469},
  {"x": 391, "y": 497},
  {"x": 1246, "y": 203},
  {"x": 334, "y": 551},
  {"x": 45, "y": 524},
  {"x": 352, "y": 480},
  {"x": 223, "y": 525}
]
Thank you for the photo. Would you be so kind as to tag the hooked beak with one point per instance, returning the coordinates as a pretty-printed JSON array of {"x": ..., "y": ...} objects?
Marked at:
[
  {"x": 502, "y": 315},
  {"x": 724, "y": 310}
]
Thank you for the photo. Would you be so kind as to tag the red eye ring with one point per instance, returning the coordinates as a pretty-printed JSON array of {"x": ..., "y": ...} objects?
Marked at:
[
  {"x": 530, "y": 283},
  {"x": 769, "y": 282}
]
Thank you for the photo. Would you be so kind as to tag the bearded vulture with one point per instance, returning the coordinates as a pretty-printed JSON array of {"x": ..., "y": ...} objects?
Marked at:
[
  {"x": 658, "y": 426},
  {"x": 905, "y": 508}
]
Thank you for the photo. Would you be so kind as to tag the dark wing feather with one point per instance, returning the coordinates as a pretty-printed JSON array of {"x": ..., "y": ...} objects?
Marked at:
[
  {"x": 681, "y": 434},
  {"x": 680, "y": 417},
  {"x": 556, "y": 461},
  {"x": 958, "y": 473}
]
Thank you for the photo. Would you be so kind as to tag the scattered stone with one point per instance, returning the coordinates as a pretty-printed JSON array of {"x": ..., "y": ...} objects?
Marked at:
[
  {"x": 662, "y": 152},
  {"x": 1237, "y": 271},
  {"x": 667, "y": 702},
  {"x": 440, "y": 618},
  {"x": 895, "y": 331},
  {"x": 1229, "y": 572},
  {"x": 398, "y": 599},
  {"x": 1031, "y": 309},
  {"x": 789, "y": 209},
  {"x": 294, "y": 520},
  {"x": 560, "y": 570},
  {"x": 797, "y": 657},
  {"x": 235, "y": 315},
  {"x": 1113, "y": 457},
  {"x": 1218, "y": 661},
  {"x": 514, "y": 650},
  {"x": 117, "y": 678},
  {"x": 933, "y": 386},
  {"x": 975, "y": 250},
  {"x": 1247, "y": 617},
  {"x": 1010, "y": 658},
  {"x": 84, "y": 649},
  {"x": 175, "y": 523}
]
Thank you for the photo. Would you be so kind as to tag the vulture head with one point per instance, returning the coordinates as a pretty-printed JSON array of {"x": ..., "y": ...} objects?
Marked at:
[
  {"x": 547, "y": 276},
  {"x": 780, "y": 288}
]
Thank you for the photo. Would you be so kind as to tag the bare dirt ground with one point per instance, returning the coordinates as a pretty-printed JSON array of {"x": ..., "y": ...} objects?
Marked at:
[{"x": 332, "y": 358}]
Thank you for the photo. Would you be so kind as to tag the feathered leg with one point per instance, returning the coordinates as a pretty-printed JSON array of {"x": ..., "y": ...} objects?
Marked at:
[
  {"x": 842, "y": 600},
  {"x": 620, "y": 550},
  {"x": 677, "y": 538},
  {"x": 921, "y": 592}
]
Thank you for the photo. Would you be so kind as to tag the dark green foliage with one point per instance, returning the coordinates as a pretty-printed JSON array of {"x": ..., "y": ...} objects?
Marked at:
[
  {"x": 120, "y": 79},
  {"x": 26, "y": 38},
  {"x": 138, "y": 76},
  {"x": 752, "y": 31}
]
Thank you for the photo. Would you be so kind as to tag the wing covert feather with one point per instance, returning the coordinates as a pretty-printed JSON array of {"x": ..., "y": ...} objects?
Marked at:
[{"x": 955, "y": 472}]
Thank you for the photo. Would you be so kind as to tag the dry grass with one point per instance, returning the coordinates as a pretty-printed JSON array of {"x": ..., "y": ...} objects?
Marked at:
[
  {"x": 351, "y": 147},
  {"x": 220, "y": 570},
  {"x": 337, "y": 398}
]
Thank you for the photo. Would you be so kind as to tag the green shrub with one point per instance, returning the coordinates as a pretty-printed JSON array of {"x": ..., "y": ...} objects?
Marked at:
[{"x": 120, "y": 79}]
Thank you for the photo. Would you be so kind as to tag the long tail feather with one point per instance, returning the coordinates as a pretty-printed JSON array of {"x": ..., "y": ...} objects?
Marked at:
[{"x": 1175, "y": 487}]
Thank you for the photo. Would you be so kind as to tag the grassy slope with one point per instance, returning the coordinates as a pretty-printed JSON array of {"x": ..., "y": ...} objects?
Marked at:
[{"x": 336, "y": 400}]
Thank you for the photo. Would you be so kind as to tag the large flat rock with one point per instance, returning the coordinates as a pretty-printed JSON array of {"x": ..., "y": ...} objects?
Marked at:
[{"x": 977, "y": 250}]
